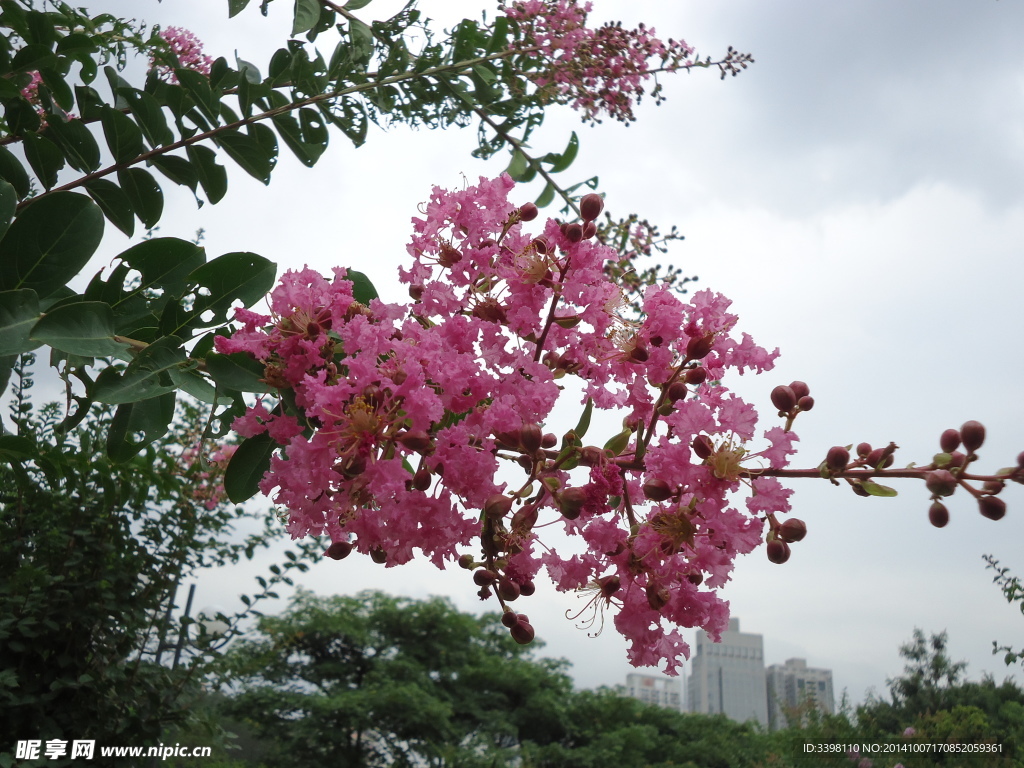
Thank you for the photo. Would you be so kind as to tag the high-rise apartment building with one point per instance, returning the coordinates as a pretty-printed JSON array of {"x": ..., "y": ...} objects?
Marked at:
[
  {"x": 663, "y": 691},
  {"x": 728, "y": 677},
  {"x": 794, "y": 685}
]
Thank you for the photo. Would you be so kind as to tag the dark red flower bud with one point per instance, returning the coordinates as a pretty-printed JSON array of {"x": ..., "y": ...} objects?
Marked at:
[
  {"x": 339, "y": 550},
  {"x": 863, "y": 450},
  {"x": 993, "y": 486},
  {"x": 956, "y": 459},
  {"x": 657, "y": 595},
  {"x": 497, "y": 506},
  {"x": 549, "y": 440},
  {"x": 991, "y": 507},
  {"x": 528, "y": 212},
  {"x": 484, "y": 577},
  {"x": 639, "y": 353},
  {"x": 509, "y": 619},
  {"x": 702, "y": 446},
  {"x": 378, "y": 555},
  {"x": 574, "y": 233},
  {"x": 837, "y": 459},
  {"x": 507, "y": 589},
  {"x": 676, "y": 391},
  {"x": 783, "y": 398},
  {"x": 805, "y": 403},
  {"x": 530, "y": 436},
  {"x": 522, "y": 632},
  {"x": 657, "y": 341},
  {"x": 657, "y": 489},
  {"x": 973, "y": 435},
  {"x": 949, "y": 441},
  {"x": 778, "y": 551},
  {"x": 589, "y": 230},
  {"x": 940, "y": 482},
  {"x": 938, "y": 515},
  {"x": 800, "y": 389},
  {"x": 609, "y": 585},
  {"x": 570, "y": 502},
  {"x": 525, "y": 518},
  {"x": 591, "y": 206},
  {"x": 527, "y": 588},
  {"x": 416, "y": 292},
  {"x": 422, "y": 479},
  {"x": 696, "y": 376},
  {"x": 1020, "y": 459},
  {"x": 875, "y": 458},
  {"x": 509, "y": 438},
  {"x": 793, "y": 530},
  {"x": 699, "y": 347},
  {"x": 696, "y": 578},
  {"x": 416, "y": 440}
]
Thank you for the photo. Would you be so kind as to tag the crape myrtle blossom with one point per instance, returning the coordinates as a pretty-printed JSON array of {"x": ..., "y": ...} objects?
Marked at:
[
  {"x": 394, "y": 421},
  {"x": 419, "y": 428},
  {"x": 186, "y": 53}
]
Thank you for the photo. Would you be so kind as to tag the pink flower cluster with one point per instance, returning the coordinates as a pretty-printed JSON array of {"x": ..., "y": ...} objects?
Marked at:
[
  {"x": 421, "y": 426},
  {"x": 186, "y": 48},
  {"x": 207, "y": 484},
  {"x": 599, "y": 70}
]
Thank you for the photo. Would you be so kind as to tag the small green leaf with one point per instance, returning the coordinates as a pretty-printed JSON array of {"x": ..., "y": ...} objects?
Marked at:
[
  {"x": 546, "y": 196},
  {"x": 13, "y": 172},
  {"x": 561, "y": 162},
  {"x": 307, "y": 14},
  {"x": 235, "y": 7},
  {"x": 146, "y": 376},
  {"x": 19, "y": 311},
  {"x": 144, "y": 193},
  {"x": 212, "y": 177},
  {"x": 875, "y": 489},
  {"x": 238, "y": 371},
  {"x": 584, "y": 423},
  {"x": 248, "y": 465},
  {"x": 255, "y": 151},
  {"x": 147, "y": 420},
  {"x": 122, "y": 134},
  {"x": 84, "y": 328},
  {"x": 114, "y": 203},
  {"x": 50, "y": 242},
  {"x": 355, "y": 5},
  {"x": 363, "y": 290},
  {"x": 45, "y": 158}
]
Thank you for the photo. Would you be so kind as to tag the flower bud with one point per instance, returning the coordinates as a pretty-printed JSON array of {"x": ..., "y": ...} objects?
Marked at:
[
  {"x": 702, "y": 446},
  {"x": 793, "y": 530},
  {"x": 522, "y": 632},
  {"x": 778, "y": 551},
  {"x": 527, "y": 588},
  {"x": 696, "y": 578},
  {"x": 938, "y": 515},
  {"x": 837, "y": 459},
  {"x": 467, "y": 561},
  {"x": 863, "y": 449},
  {"x": 609, "y": 585},
  {"x": 484, "y": 577},
  {"x": 657, "y": 489},
  {"x": 993, "y": 486},
  {"x": 570, "y": 502},
  {"x": 415, "y": 292},
  {"x": 940, "y": 482},
  {"x": 699, "y": 347},
  {"x": 525, "y": 518},
  {"x": 574, "y": 233},
  {"x": 639, "y": 353},
  {"x": 676, "y": 391},
  {"x": 783, "y": 398},
  {"x": 530, "y": 436},
  {"x": 805, "y": 403},
  {"x": 416, "y": 440},
  {"x": 589, "y": 230},
  {"x": 549, "y": 440},
  {"x": 378, "y": 555},
  {"x": 956, "y": 459},
  {"x": 949, "y": 441},
  {"x": 972, "y": 433},
  {"x": 339, "y": 550},
  {"x": 696, "y": 376},
  {"x": 509, "y": 619},
  {"x": 875, "y": 458},
  {"x": 991, "y": 507},
  {"x": 657, "y": 595},
  {"x": 507, "y": 589},
  {"x": 528, "y": 212},
  {"x": 800, "y": 389},
  {"x": 497, "y": 506},
  {"x": 591, "y": 206},
  {"x": 422, "y": 479}
]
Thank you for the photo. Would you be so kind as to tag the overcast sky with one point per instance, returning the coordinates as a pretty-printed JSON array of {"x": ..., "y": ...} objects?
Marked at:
[{"x": 857, "y": 192}]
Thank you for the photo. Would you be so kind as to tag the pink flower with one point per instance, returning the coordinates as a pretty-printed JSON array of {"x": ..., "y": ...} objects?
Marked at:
[{"x": 187, "y": 53}]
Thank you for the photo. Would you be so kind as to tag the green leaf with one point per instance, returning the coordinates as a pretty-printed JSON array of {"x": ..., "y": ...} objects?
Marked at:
[
  {"x": 363, "y": 290},
  {"x": 306, "y": 142},
  {"x": 177, "y": 169},
  {"x": 84, "y": 328},
  {"x": 45, "y": 158},
  {"x": 149, "y": 114},
  {"x": 114, "y": 203},
  {"x": 307, "y": 14},
  {"x": 122, "y": 134},
  {"x": 355, "y": 5},
  {"x": 238, "y": 371},
  {"x": 248, "y": 465},
  {"x": 144, "y": 193},
  {"x": 13, "y": 172},
  {"x": 136, "y": 425},
  {"x": 15, "y": 448},
  {"x": 255, "y": 151},
  {"x": 212, "y": 177},
  {"x": 197, "y": 86},
  {"x": 584, "y": 423},
  {"x": 76, "y": 43},
  {"x": 194, "y": 383},
  {"x": 546, "y": 196},
  {"x": 519, "y": 168},
  {"x": 50, "y": 242},
  {"x": 145, "y": 377},
  {"x": 19, "y": 311},
  {"x": 235, "y": 7},
  {"x": 77, "y": 144},
  {"x": 242, "y": 277},
  {"x": 561, "y": 162},
  {"x": 877, "y": 490},
  {"x": 57, "y": 89},
  {"x": 8, "y": 206},
  {"x": 165, "y": 263},
  {"x": 33, "y": 57}
]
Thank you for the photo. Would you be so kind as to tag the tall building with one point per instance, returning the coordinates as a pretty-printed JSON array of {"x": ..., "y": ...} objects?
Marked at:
[
  {"x": 793, "y": 685},
  {"x": 728, "y": 677},
  {"x": 651, "y": 689}
]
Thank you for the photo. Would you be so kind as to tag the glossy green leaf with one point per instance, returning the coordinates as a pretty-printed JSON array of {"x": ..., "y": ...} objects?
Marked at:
[
  {"x": 363, "y": 290},
  {"x": 355, "y": 5},
  {"x": 114, "y": 203},
  {"x": 546, "y": 196},
  {"x": 241, "y": 277},
  {"x": 584, "y": 423},
  {"x": 16, "y": 448},
  {"x": 124, "y": 137},
  {"x": 33, "y": 58},
  {"x": 58, "y": 90},
  {"x": 561, "y": 162},
  {"x": 307, "y": 14},
  {"x": 19, "y": 311},
  {"x": 12, "y": 171},
  {"x": 50, "y": 242},
  {"x": 136, "y": 425},
  {"x": 247, "y": 466},
  {"x": 77, "y": 144},
  {"x": 212, "y": 176},
  {"x": 144, "y": 193},
  {"x": 177, "y": 169},
  {"x": 45, "y": 158},
  {"x": 238, "y": 371},
  {"x": 76, "y": 43},
  {"x": 235, "y": 7},
  {"x": 198, "y": 88},
  {"x": 84, "y": 328},
  {"x": 146, "y": 376},
  {"x": 150, "y": 116},
  {"x": 164, "y": 263},
  {"x": 306, "y": 150},
  {"x": 255, "y": 151},
  {"x": 8, "y": 206}
]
